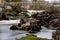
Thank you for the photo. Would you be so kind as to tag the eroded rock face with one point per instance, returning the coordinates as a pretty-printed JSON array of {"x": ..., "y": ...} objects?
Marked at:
[{"x": 56, "y": 34}]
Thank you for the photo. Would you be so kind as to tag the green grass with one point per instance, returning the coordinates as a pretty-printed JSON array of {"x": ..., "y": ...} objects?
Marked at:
[{"x": 31, "y": 37}]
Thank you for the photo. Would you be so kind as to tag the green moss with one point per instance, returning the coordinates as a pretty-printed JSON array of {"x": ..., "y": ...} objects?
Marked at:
[
  {"x": 31, "y": 37},
  {"x": 11, "y": 13}
]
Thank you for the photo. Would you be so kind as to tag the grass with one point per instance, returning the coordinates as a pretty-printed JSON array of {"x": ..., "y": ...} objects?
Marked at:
[{"x": 31, "y": 37}]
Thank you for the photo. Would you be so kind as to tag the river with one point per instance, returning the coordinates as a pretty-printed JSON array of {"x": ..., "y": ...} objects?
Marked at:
[{"x": 6, "y": 34}]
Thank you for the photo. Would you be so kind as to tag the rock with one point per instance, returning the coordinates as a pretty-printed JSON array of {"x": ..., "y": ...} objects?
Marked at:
[
  {"x": 14, "y": 27},
  {"x": 31, "y": 25},
  {"x": 53, "y": 24},
  {"x": 31, "y": 37},
  {"x": 43, "y": 17},
  {"x": 39, "y": 16},
  {"x": 34, "y": 27},
  {"x": 22, "y": 21},
  {"x": 3, "y": 16},
  {"x": 56, "y": 34}
]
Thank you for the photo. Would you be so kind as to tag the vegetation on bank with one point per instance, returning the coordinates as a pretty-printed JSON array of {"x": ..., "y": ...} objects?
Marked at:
[
  {"x": 31, "y": 37},
  {"x": 8, "y": 14}
]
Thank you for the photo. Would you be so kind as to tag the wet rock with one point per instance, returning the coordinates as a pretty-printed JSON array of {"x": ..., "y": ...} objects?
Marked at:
[
  {"x": 34, "y": 27},
  {"x": 14, "y": 27},
  {"x": 31, "y": 25}
]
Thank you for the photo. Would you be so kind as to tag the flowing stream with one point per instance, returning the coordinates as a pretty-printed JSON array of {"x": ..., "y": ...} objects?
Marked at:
[{"x": 6, "y": 34}]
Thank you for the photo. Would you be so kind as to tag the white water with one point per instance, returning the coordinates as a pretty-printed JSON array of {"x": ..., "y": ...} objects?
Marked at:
[
  {"x": 10, "y": 21},
  {"x": 6, "y": 34}
]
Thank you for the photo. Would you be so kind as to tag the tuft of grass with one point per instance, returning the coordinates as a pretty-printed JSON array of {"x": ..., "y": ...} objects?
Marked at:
[{"x": 31, "y": 37}]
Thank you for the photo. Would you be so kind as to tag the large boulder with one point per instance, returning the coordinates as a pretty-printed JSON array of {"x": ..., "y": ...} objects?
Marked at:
[{"x": 31, "y": 25}]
